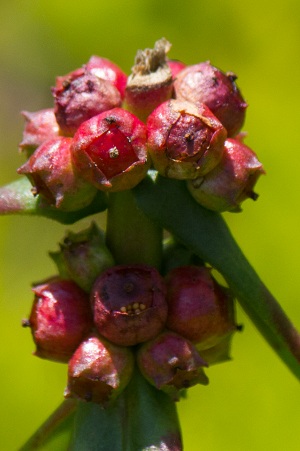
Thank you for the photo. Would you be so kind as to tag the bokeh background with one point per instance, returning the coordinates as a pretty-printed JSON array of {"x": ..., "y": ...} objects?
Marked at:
[{"x": 252, "y": 402}]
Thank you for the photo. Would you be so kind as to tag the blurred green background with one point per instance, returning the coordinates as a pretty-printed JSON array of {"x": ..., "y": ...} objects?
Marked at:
[{"x": 253, "y": 402}]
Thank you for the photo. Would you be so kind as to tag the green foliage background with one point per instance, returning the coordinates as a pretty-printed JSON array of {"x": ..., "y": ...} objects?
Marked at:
[{"x": 252, "y": 403}]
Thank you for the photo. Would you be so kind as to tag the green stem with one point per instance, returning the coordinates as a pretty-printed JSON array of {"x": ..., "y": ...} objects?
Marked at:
[
  {"x": 142, "y": 418},
  {"x": 131, "y": 236}
]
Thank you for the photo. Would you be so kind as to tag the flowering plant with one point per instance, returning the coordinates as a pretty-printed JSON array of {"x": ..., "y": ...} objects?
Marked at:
[{"x": 136, "y": 311}]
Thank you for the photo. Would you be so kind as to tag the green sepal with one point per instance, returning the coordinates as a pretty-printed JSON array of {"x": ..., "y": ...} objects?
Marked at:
[
  {"x": 17, "y": 198},
  {"x": 205, "y": 232}
]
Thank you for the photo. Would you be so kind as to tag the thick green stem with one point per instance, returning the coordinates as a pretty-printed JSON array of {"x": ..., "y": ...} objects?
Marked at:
[
  {"x": 142, "y": 418},
  {"x": 131, "y": 236}
]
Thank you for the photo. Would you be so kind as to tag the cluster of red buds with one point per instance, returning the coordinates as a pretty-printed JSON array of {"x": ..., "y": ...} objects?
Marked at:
[
  {"x": 106, "y": 130},
  {"x": 101, "y": 318}
]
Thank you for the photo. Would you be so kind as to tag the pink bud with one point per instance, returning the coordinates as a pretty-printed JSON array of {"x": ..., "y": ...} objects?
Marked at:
[
  {"x": 204, "y": 83},
  {"x": 184, "y": 140},
  {"x": 231, "y": 182},
  {"x": 110, "y": 152},
  {"x": 59, "y": 320},
  {"x": 52, "y": 175},
  {"x": 129, "y": 304}
]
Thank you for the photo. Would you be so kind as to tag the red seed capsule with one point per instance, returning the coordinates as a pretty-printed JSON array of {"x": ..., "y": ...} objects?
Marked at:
[
  {"x": 59, "y": 320},
  {"x": 109, "y": 71},
  {"x": 99, "y": 371},
  {"x": 129, "y": 304},
  {"x": 53, "y": 176},
  {"x": 109, "y": 150},
  {"x": 39, "y": 127},
  {"x": 231, "y": 182},
  {"x": 199, "y": 308},
  {"x": 171, "y": 363},
  {"x": 184, "y": 140},
  {"x": 82, "y": 98},
  {"x": 204, "y": 83}
]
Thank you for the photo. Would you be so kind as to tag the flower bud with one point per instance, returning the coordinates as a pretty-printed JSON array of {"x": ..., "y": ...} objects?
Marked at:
[
  {"x": 184, "y": 140},
  {"x": 171, "y": 363},
  {"x": 109, "y": 71},
  {"x": 199, "y": 308},
  {"x": 109, "y": 150},
  {"x": 82, "y": 98},
  {"x": 151, "y": 81},
  {"x": 99, "y": 371},
  {"x": 53, "y": 176},
  {"x": 39, "y": 127},
  {"x": 83, "y": 256},
  {"x": 129, "y": 304},
  {"x": 231, "y": 182},
  {"x": 59, "y": 320},
  {"x": 204, "y": 83}
]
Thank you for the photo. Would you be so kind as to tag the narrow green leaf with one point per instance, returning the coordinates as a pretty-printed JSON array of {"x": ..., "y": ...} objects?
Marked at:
[
  {"x": 17, "y": 198},
  {"x": 55, "y": 432},
  {"x": 206, "y": 233},
  {"x": 141, "y": 419}
]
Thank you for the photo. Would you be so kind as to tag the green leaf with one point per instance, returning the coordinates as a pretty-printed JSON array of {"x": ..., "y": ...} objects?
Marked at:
[
  {"x": 55, "y": 432},
  {"x": 17, "y": 198},
  {"x": 141, "y": 419},
  {"x": 205, "y": 232}
]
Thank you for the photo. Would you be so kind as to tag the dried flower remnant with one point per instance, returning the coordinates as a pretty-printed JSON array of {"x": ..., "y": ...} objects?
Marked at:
[{"x": 150, "y": 82}]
